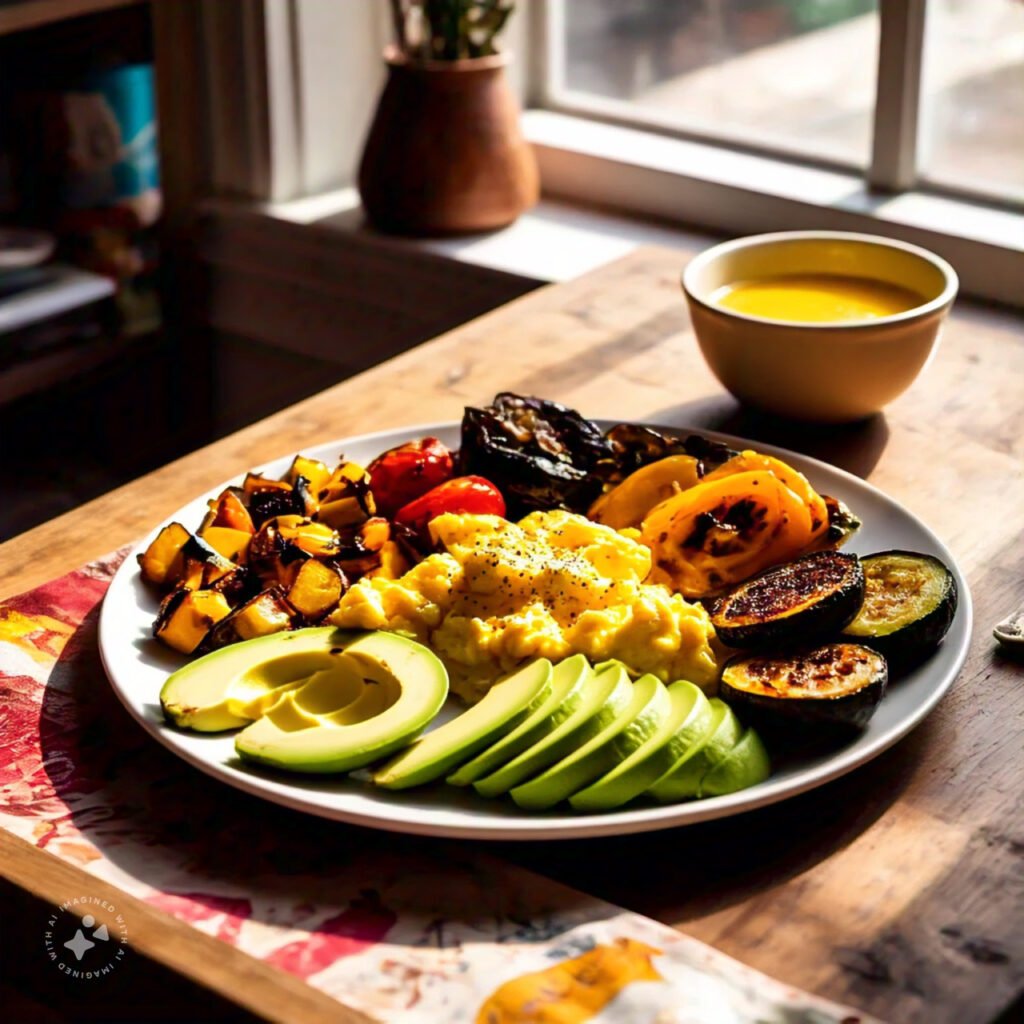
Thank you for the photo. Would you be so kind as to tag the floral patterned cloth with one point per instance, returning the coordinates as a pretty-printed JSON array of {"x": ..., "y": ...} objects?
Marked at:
[{"x": 407, "y": 930}]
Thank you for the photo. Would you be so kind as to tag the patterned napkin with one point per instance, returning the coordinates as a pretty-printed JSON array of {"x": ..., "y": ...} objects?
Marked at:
[{"x": 407, "y": 930}]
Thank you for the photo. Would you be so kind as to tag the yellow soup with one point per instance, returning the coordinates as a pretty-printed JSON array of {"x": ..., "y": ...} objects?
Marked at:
[{"x": 816, "y": 298}]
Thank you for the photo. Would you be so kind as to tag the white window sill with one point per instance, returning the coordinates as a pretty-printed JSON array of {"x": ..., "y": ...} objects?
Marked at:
[{"x": 554, "y": 241}]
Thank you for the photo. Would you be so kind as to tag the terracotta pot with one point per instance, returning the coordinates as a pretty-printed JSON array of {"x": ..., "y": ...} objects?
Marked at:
[{"x": 446, "y": 153}]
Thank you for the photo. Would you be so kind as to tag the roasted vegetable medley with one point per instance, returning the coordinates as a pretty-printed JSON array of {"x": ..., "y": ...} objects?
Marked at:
[{"x": 740, "y": 533}]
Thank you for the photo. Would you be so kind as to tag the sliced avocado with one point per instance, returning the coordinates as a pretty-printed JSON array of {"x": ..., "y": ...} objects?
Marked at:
[
  {"x": 569, "y": 681},
  {"x": 683, "y": 779},
  {"x": 688, "y": 715},
  {"x": 404, "y": 686},
  {"x": 607, "y": 693},
  {"x": 503, "y": 707},
  {"x": 746, "y": 765},
  {"x": 600, "y": 754},
  {"x": 228, "y": 688}
]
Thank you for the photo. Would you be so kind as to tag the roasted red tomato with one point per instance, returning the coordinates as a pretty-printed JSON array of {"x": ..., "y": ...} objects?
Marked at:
[
  {"x": 465, "y": 495},
  {"x": 404, "y": 473}
]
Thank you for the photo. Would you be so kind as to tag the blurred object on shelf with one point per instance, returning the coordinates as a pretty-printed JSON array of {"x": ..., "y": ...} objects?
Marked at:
[
  {"x": 86, "y": 165},
  {"x": 21, "y": 247},
  {"x": 109, "y": 143},
  {"x": 55, "y": 321},
  {"x": 38, "y": 294},
  {"x": 90, "y": 172}
]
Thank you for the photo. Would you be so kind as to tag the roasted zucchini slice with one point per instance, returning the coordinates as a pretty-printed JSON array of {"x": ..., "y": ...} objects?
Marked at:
[
  {"x": 797, "y": 603},
  {"x": 813, "y": 694},
  {"x": 909, "y": 603}
]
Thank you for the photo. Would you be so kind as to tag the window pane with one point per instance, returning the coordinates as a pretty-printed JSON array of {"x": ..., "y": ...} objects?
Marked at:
[
  {"x": 789, "y": 74},
  {"x": 973, "y": 109}
]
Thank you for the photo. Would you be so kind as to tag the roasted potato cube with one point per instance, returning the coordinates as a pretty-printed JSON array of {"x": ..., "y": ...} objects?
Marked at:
[
  {"x": 346, "y": 499},
  {"x": 186, "y": 616},
  {"x": 256, "y": 483},
  {"x": 374, "y": 533},
  {"x": 315, "y": 539},
  {"x": 393, "y": 562},
  {"x": 266, "y": 613},
  {"x": 313, "y": 471},
  {"x": 317, "y": 590},
  {"x": 238, "y": 586},
  {"x": 231, "y": 543},
  {"x": 230, "y": 511},
  {"x": 163, "y": 562}
]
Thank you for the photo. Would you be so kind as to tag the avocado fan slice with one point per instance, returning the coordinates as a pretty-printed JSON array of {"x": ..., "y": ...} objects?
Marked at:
[
  {"x": 607, "y": 694},
  {"x": 683, "y": 779},
  {"x": 570, "y": 679},
  {"x": 228, "y": 688},
  {"x": 637, "y": 720},
  {"x": 501, "y": 709},
  {"x": 746, "y": 765},
  {"x": 401, "y": 687},
  {"x": 688, "y": 716}
]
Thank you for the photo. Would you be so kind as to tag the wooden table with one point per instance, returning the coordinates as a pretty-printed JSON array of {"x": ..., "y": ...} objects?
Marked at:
[{"x": 898, "y": 889}]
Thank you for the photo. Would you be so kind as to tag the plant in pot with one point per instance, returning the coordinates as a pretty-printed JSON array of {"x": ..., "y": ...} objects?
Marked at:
[{"x": 445, "y": 153}]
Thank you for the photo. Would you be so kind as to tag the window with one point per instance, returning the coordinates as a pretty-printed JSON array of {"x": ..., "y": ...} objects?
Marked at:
[
  {"x": 800, "y": 79},
  {"x": 972, "y": 135},
  {"x": 791, "y": 75}
]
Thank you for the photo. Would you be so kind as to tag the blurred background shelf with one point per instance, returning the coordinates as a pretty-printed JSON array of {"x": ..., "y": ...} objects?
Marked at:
[{"x": 19, "y": 15}]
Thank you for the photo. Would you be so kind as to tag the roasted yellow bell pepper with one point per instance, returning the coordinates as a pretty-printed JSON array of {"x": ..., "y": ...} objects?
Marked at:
[
  {"x": 725, "y": 530},
  {"x": 628, "y": 503}
]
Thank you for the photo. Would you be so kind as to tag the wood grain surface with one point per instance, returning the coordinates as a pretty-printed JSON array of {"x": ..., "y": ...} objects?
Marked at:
[{"x": 899, "y": 888}]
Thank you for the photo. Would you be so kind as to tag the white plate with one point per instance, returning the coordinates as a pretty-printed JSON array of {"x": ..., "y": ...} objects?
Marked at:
[{"x": 138, "y": 665}]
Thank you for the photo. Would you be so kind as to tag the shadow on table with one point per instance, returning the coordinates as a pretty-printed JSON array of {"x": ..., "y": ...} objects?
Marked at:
[
  {"x": 220, "y": 855},
  {"x": 680, "y": 874},
  {"x": 855, "y": 447}
]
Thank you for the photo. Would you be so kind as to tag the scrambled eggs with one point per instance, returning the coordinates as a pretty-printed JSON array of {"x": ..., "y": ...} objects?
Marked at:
[{"x": 553, "y": 585}]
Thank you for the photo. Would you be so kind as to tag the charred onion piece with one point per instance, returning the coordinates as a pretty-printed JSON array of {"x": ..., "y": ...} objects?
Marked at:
[
  {"x": 802, "y": 697},
  {"x": 800, "y": 602},
  {"x": 539, "y": 454},
  {"x": 842, "y": 523},
  {"x": 634, "y": 447}
]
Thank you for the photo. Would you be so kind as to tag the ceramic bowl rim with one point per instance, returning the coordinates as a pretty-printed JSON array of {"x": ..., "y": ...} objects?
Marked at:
[{"x": 937, "y": 305}]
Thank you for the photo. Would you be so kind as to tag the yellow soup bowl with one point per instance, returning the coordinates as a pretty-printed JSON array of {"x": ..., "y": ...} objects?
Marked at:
[{"x": 787, "y": 357}]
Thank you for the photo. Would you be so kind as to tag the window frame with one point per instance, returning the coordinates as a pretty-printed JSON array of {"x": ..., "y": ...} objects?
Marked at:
[{"x": 896, "y": 144}]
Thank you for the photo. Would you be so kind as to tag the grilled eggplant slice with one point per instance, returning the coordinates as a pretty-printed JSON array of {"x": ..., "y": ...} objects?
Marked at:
[
  {"x": 909, "y": 604},
  {"x": 803, "y": 601},
  {"x": 539, "y": 454},
  {"x": 822, "y": 693}
]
